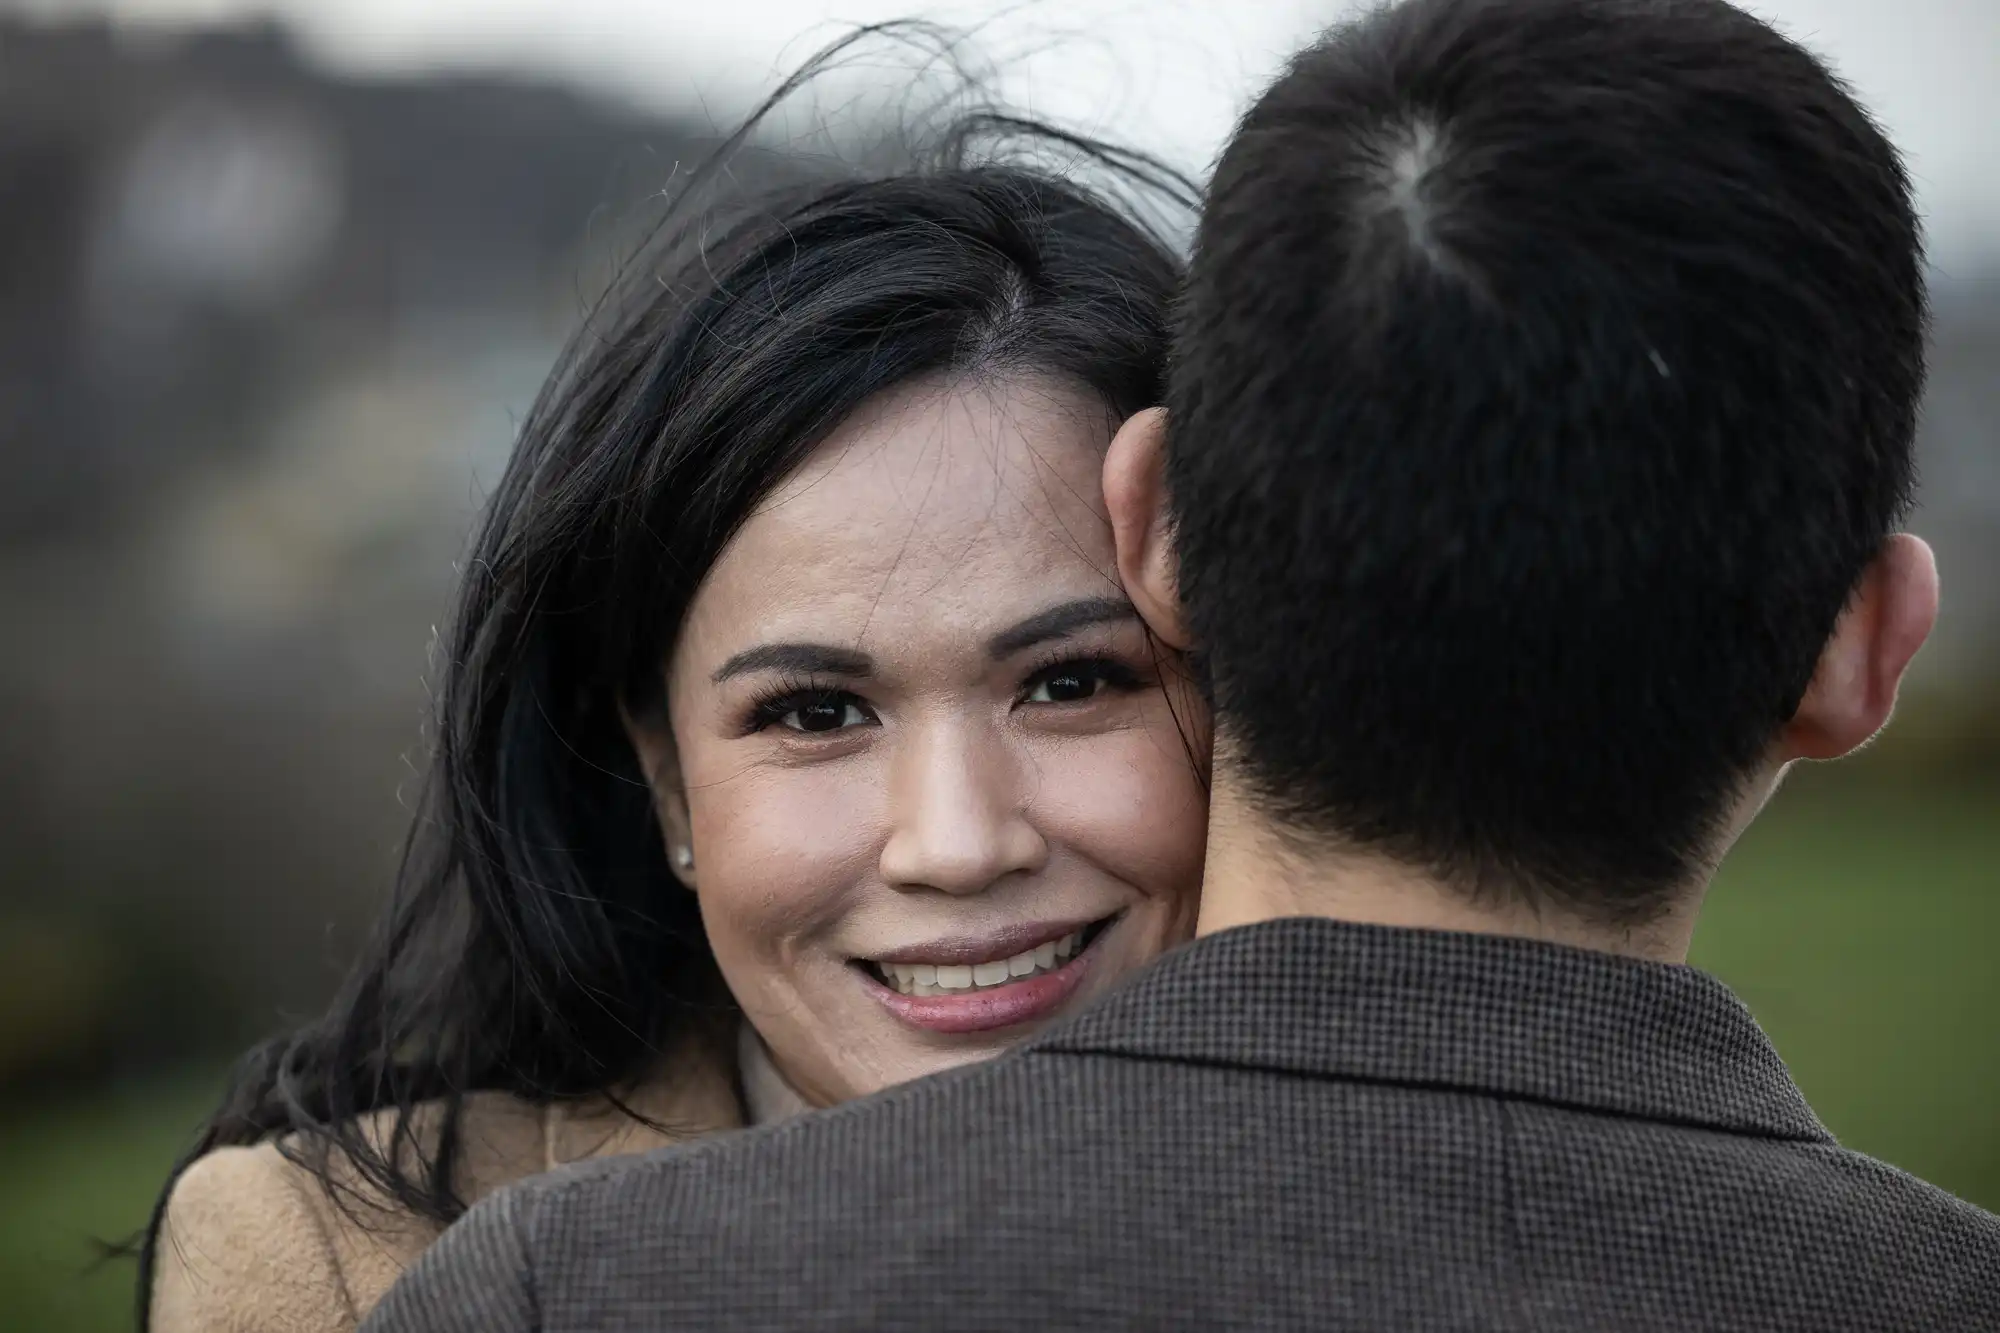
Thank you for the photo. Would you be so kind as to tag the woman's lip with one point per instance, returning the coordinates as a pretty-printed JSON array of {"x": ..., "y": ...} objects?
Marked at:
[
  {"x": 988, "y": 948},
  {"x": 1002, "y": 1006}
]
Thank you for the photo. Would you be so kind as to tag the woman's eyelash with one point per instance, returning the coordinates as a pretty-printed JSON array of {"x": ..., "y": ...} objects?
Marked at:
[
  {"x": 772, "y": 706},
  {"x": 1108, "y": 670}
]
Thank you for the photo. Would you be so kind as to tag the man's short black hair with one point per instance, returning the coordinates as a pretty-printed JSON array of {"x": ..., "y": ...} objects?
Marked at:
[{"x": 1545, "y": 382}]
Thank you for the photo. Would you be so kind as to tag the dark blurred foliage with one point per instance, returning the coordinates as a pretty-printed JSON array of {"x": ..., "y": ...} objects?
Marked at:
[{"x": 263, "y": 335}]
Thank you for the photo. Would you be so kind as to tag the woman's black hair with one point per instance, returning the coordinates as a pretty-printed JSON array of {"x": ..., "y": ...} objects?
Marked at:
[{"x": 537, "y": 943}]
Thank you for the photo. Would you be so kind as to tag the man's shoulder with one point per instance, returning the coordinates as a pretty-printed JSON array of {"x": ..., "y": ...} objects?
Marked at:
[
  {"x": 1886, "y": 1239},
  {"x": 1890, "y": 1200}
]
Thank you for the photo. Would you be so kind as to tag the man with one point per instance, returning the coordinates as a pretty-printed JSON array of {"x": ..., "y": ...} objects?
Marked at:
[{"x": 1540, "y": 421}]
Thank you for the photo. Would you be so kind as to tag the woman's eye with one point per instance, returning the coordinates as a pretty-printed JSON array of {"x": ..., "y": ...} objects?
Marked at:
[
  {"x": 830, "y": 713},
  {"x": 1065, "y": 685}
]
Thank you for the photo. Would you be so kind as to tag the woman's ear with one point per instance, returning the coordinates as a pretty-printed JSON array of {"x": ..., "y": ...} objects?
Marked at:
[
  {"x": 653, "y": 741},
  {"x": 1853, "y": 689},
  {"x": 1135, "y": 494}
]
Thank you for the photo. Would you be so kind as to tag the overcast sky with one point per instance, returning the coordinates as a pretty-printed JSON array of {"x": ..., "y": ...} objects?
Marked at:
[{"x": 1167, "y": 74}]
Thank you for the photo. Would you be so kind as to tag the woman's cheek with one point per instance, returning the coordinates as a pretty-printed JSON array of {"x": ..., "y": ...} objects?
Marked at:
[
  {"x": 1129, "y": 802},
  {"x": 778, "y": 853}
]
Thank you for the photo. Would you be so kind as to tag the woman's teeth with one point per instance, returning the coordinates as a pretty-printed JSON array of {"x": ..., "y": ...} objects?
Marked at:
[{"x": 946, "y": 979}]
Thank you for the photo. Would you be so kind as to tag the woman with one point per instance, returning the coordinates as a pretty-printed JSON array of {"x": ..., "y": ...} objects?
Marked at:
[{"x": 794, "y": 739}]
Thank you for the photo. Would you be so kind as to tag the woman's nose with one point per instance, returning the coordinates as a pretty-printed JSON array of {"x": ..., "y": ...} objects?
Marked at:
[{"x": 958, "y": 813}]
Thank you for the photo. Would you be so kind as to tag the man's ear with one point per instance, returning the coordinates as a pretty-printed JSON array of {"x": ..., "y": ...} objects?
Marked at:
[
  {"x": 653, "y": 741},
  {"x": 1853, "y": 689},
  {"x": 1135, "y": 494}
]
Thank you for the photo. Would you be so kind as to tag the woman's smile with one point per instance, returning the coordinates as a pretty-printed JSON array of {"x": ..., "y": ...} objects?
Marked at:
[{"x": 977, "y": 985}]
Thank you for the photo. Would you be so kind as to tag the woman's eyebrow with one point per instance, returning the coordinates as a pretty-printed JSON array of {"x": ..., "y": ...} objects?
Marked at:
[
  {"x": 809, "y": 659},
  {"x": 801, "y": 659},
  {"x": 1058, "y": 621}
]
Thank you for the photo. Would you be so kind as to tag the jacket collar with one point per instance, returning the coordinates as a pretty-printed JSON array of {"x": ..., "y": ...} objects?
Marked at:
[{"x": 1483, "y": 1014}]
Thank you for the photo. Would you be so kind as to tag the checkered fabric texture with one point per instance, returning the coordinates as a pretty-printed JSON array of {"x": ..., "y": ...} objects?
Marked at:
[{"x": 1298, "y": 1125}]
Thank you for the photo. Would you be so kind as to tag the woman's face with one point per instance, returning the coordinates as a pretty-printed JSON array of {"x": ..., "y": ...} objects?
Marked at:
[{"x": 933, "y": 785}]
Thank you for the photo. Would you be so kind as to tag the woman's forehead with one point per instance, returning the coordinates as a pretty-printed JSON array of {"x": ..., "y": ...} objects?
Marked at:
[
  {"x": 943, "y": 445},
  {"x": 990, "y": 472},
  {"x": 948, "y": 503}
]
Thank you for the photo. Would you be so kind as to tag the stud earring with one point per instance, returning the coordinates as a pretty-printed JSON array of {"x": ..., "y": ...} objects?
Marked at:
[{"x": 684, "y": 857}]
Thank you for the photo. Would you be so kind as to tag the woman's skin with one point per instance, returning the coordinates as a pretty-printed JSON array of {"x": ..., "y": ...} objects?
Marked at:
[{"x": 914, "y": 721}]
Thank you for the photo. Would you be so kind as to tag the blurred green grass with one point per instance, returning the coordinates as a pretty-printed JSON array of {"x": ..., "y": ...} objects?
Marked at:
[
  {"x": 77, "y": 1172},
  {"x": 1858, "y": 919}
]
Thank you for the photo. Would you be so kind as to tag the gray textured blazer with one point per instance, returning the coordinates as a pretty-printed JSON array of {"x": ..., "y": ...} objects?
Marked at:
[{"x": 1297, "y": 1125}]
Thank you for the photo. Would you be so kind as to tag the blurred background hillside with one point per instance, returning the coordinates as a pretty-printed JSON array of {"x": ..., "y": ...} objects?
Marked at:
[{"x": 273, "y": 294}]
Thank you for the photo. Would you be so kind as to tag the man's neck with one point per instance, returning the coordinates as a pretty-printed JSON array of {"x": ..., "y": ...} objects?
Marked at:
[{"x": 1254, "y": 874}]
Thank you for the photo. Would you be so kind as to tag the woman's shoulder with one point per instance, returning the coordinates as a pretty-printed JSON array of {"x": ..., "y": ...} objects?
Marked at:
[
  {"x": 253, "y": 1239},
  {"x": 244, "y": 1245}
]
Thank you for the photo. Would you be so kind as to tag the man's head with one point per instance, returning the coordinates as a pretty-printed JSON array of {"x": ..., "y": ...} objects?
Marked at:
[{"x": 1540, "y": 418}]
